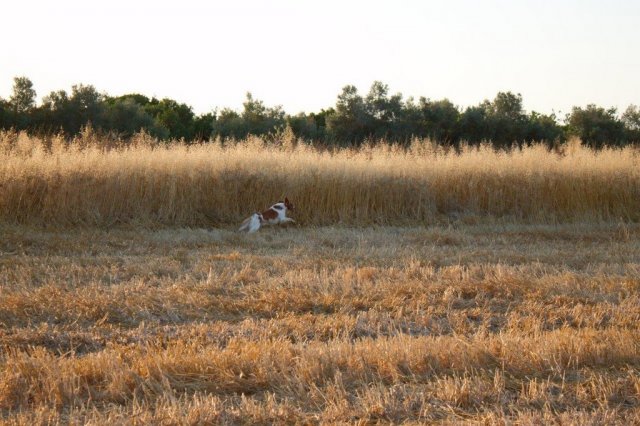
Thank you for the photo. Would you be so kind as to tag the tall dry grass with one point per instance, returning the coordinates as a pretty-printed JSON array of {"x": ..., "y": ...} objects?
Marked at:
[{"x": 95, "y": 182}]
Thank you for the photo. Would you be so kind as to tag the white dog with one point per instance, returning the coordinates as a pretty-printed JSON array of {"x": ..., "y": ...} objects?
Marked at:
[
  {"x": 251, "y": 224},
  {"x": 274, "y": 215}
]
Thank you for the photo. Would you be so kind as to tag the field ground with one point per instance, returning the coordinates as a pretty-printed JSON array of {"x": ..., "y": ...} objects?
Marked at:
[{"x": 483, "y": 323}]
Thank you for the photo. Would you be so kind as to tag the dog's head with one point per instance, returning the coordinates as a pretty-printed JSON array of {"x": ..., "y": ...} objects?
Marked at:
[{"x": 288, "y": 204}]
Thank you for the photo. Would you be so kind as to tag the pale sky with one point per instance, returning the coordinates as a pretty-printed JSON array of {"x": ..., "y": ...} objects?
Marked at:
[{"x": 299, "y": 54}]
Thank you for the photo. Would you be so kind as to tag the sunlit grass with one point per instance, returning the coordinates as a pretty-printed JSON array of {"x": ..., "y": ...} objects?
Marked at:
[{"x": 46, "y": 182}]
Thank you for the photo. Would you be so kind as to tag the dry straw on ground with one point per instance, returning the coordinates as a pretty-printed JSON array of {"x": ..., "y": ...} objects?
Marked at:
[
  {"x": 490, "y": 324},
  {"x": 47, "y": 182}
]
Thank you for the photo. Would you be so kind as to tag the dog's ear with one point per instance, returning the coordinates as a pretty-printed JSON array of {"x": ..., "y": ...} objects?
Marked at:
[{"x": 286, "y": 200}]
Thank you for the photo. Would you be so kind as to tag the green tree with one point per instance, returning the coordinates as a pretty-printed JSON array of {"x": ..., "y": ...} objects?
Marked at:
[
  {"x": 508, "y": 105},
  {"x": 508, "y": 122},
  {"x": 54, "y": 113},
  {"x": 631, "y": 120},
  {"x": 70, "y": 113},
  {"x": 596, "y": 126},
  {"x": 320, "y": 118},
  {"x": 22, "y": 102},
  {"x": 228, "y": 124},
  {"x": 439, "y": 120},
  {"x": 384, "y": 112},
  {"x": 474, "y": 124},
  {"x": 203, "y": 126},
  {"x": 5, "y": 114},
  {"x": 411, "y": 123},
  {"x": 304, "y": 126},
  {"x": 351, "y": 122},
  {"x": 139, "y": 99},
  {"x": 86, "y": 106},
  {"x": 23, "y": 98},
  {"x": 127, "y": 117},
  {"x": 176, "y": 117},
  {"x": 543, "y": 128},
  {"x": 259, "y": 119}
]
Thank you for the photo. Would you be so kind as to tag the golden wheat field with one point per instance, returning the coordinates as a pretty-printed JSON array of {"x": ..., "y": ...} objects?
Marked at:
[
  {"x": 90, "y": 182},
  {"x": 417, "y": 286}
]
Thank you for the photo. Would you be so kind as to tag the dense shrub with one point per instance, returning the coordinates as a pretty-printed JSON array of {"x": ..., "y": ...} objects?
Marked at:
[{"x": 353, "y": 120}]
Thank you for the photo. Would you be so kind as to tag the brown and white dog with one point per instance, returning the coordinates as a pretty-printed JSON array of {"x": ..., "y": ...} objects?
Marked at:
[
  {"x": 277, "y": 213},
  {"x": 274, "y": 215}
]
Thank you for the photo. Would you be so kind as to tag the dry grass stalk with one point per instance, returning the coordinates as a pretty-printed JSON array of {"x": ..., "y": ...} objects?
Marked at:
[{"x": 101, "y": 182}]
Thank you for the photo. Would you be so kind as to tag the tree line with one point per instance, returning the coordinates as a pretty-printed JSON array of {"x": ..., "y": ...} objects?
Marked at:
[{"x": 354, "y": 119}]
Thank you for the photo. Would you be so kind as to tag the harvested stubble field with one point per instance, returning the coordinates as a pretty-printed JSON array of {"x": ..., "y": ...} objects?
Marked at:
[{"x": 430, "y": 305}]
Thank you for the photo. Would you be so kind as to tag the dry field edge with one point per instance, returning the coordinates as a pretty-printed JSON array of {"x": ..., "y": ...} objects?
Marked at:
[
  {"x": 48, "y": 183},
  {"x": 485, "y": 323}
]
